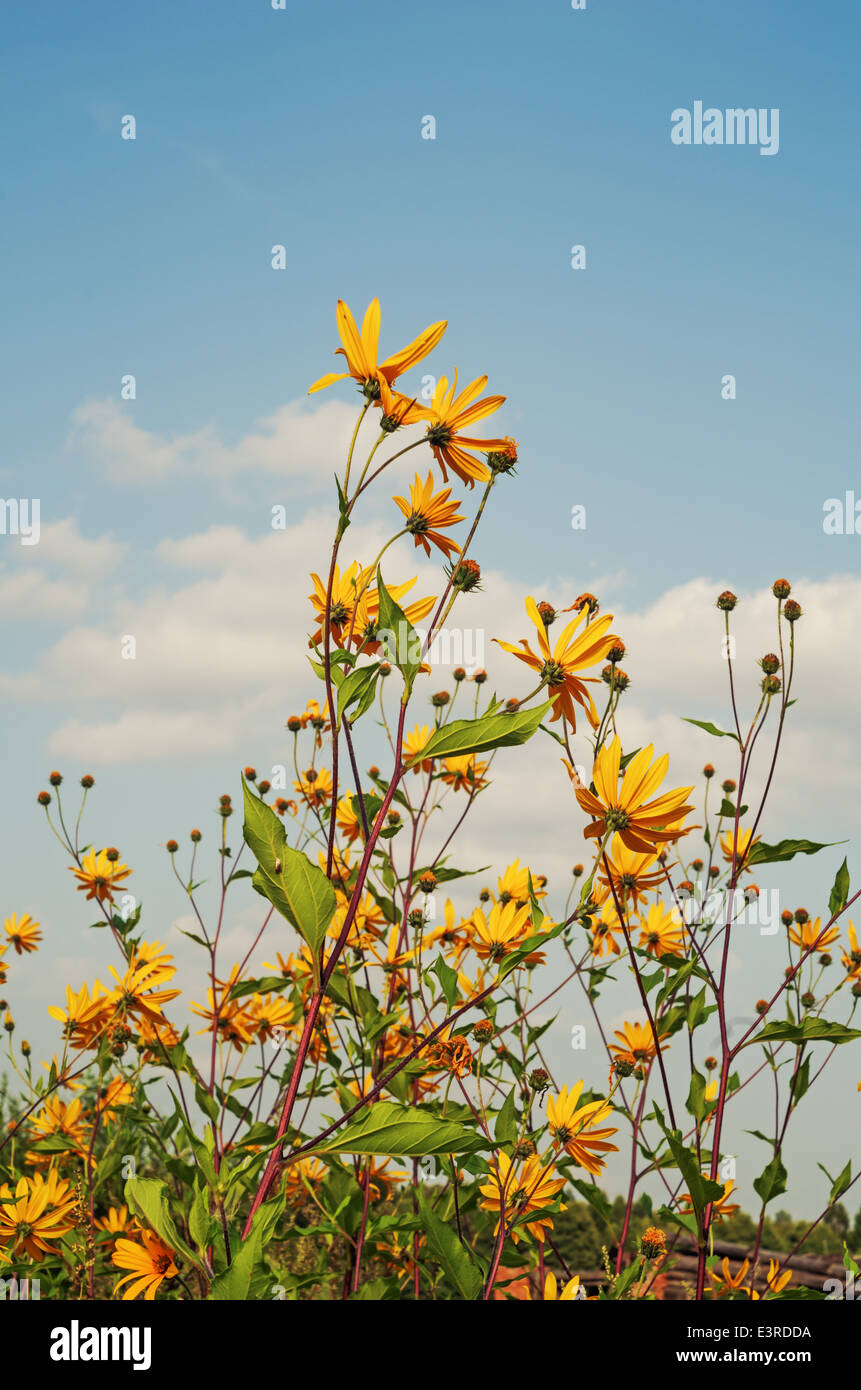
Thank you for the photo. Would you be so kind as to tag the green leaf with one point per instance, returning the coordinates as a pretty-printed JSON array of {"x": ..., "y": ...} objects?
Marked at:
[
  {"x": 448, "y": 1252},
  {"x": 696, "y": 1101},
  {"x": 771, "y": 1181},
  {"x": 840, "y": 891},
  {"x": 343, "y": 517},
  {"x": 447, "y": 978},
  {"x": 401, "y": 643},
  {"x": 234, "y": 1284},
  {"x": 296, "y": 887},
  {"x": 784, "y": 849},
  {"x": 208, "y": 1104},
  {"x": 710, "y": 728},
  {"x": 201, "y": 1223},
  {"x": 838, "y": 1184},
  {"x": 811, "y": 1030},
  {"x": 596, "y": 1199},
  {"x": 355, "y": 687},
  {"x": 147, "y": 1198},
  {"x": 267, "y": 984},
  {"x": 403, "y": 1130},
  {"x": 505, "y": 1124},
  {"x": 480, "y": 735}
]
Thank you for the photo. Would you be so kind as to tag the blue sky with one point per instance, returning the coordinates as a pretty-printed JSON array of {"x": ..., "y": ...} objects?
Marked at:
[{"x": 303, "y": 128}]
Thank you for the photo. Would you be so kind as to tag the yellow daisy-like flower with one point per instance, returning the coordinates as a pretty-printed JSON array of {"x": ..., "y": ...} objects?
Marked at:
[
  {"x": 116, "y": 1222},
  {"x": 30, "y": 1222},
  {"x": 638, "y": 1041},
  {"x": 559, "y": 667},
  {"x": 347, "y": 820},
  {"x": 641, "y": 823},
  {"x": 150, "y": 1263},
  {"x": 454, "y": 940},
  {"x": 138, "y": 991},
  {"x": 300, "y": 1175},
  {"x": 568, "y": 1294},
  {"x": 513, "y": 885},
  {"x": 361, "y": 349},
  {"x": 581, "y": 1131},
  {"x": 99, "y": 874},
  {"x": 604, "y": 930},
  {"x": 426, "y": 515},
  {"x": 501, "y": 932},
  {"x": 743, "y": 841},
  {"x": 413, "y": 745},
  {"x": 119, "y": 1092},
  {"x": 316, "y": 786},
  {"x": 513, "y": 1191},
  {"x": 726, "y": 1281},
  {"x": 632, "y": 874},
  {"x": 448, "y": 415},
  {"x": 805, "y": 935},
  {"x": 852, "y": 958},
  {"x": 661, "y": 931},
  {"x": 268, "y": 1012},
  {"x": 464, "y": 773},
  {"x": 721, "y": 1206},
  {"x": 23, "y": 934},
  {"x": 84, "y": 1018}
]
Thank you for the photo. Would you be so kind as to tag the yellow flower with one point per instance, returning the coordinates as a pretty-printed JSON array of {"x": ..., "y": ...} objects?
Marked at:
[
  {"x": 117, "y": 1221},
  {"x": 22, "y": 935},
  {"x": 118, "y": 1092},
  {"x": 515, "y": 1191},
  {"x": 30, "y": 1221},
  {"x": 230, "y": 1018},
  {"x": 300, "y": 1175},
  {"x": 413, "y": 745},
  {"x": 99, "y": 874},
  {"x": 315, "y": 786},
  {"x": 775, "y": 1280},
  {"x": 721, "y": 1206},
  {"x": 578, "y": 1131},
  {"x": 381, "y": 1179},
  {"x": 84, "y": 1018},
  {"x": 852, "y": 958},
  {"x": 661, "y": 931},
  {"x": 464, "y": 773},
  {"x": 137, "y": 992},
  {"x": 348, "y": 822},
  {"x": 448, "y": 414},
  {"x": 366, "y": 925},
  {"x": 514, "y": 884},
  {"x": 641, "y": 823},
  {"x": 744, "y": 843},
  {"x": 502, "y": 932},
  {"x": 268, "y": 1012},
  {"x": 426, "y": 514},
  {"x": 632, "y": 874},
  {"x": 454, "y": 940},
  {"x": 569, "y": 1293},
  {"x": 559, "y": 667},
  {"x": 806, "y": 935},
  {"x": 58, "y": 1117},
  {"x": 604, "y": 931},
  {"x": 638, "y": 1041},
  {"x": 150, "y": 1263},
  {"x": 726, "y": 1281},
  {"x": 360, "y": 350}
]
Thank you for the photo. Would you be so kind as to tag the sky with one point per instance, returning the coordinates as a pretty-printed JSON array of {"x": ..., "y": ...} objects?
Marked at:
[{"x": 301, "y": 128}]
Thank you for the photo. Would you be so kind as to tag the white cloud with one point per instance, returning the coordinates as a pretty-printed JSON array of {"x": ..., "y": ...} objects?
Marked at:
[
  {"x": 57, "y": 578},
  {"x": 298, "y": 441}
]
